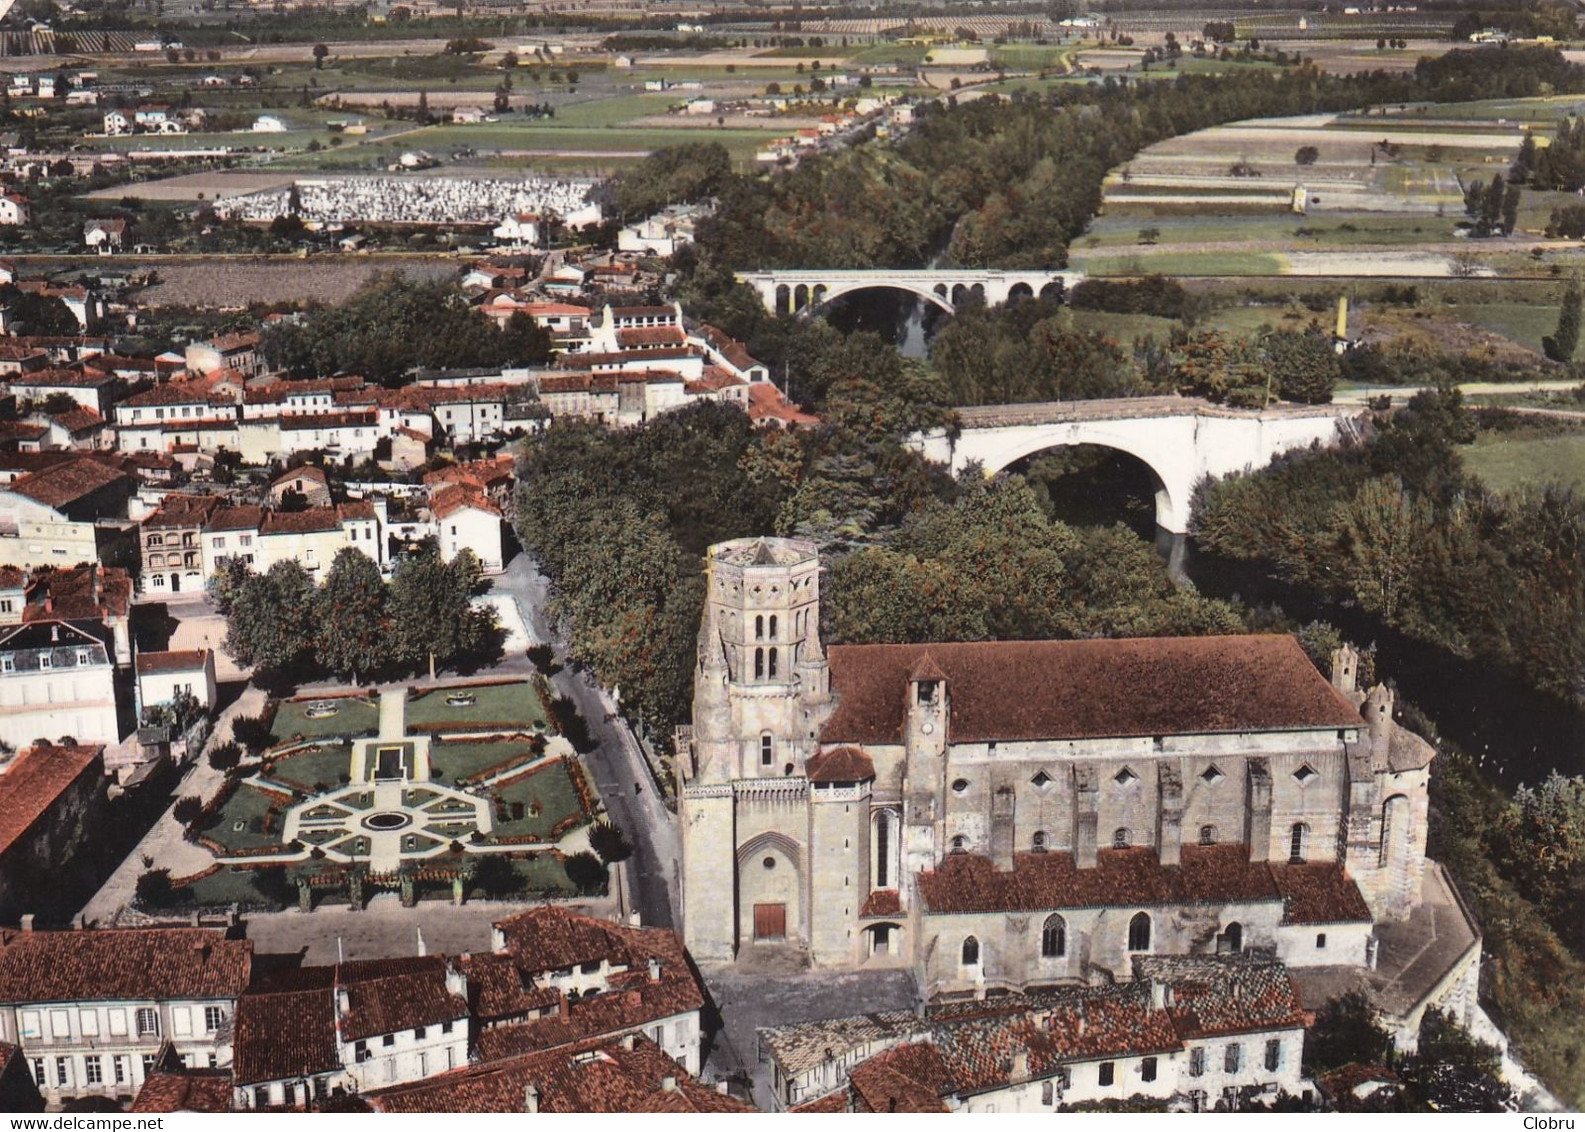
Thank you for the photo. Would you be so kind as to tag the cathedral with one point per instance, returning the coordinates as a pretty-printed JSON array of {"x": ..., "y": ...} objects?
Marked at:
[{"x": 1013, "y": 814}]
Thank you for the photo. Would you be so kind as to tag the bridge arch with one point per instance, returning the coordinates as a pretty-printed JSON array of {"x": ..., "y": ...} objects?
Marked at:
[
  {"x": 936, "y": 297},
  {"x": 1171, "y": 494}
]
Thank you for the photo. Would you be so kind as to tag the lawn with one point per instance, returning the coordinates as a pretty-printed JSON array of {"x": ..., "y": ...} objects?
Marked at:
[
  {"x": 355, "y": 716},
  {"x": 463, "y": 758},
  {"x": 1123, "y": 328},
  {"x": 505, "y": 707},
  {"x": 741, "y": 144},
  {"x": 1323, "y": 230},
  {"x": 1524, "y": 323},
  {"x": 247, "y": 807},
  {"x": 1510, "y": 460},
  {"x": 550, "y": 789},
  {"x": 262, "y": 887},
  {"x": 316, "y": 770},
  {"x": 614, "y": 111}
]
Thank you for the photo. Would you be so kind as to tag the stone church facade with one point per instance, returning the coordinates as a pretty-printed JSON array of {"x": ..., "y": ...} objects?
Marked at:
[{"x": 1006, "y": 815}]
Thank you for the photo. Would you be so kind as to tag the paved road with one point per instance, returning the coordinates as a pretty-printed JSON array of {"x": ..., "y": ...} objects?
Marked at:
[{"x": 615, "y": 764}]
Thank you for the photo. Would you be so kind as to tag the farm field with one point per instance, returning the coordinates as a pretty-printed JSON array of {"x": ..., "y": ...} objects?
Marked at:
[
  {"x": 1510, "y": 460},
  {"x": 239, "y": 282}
]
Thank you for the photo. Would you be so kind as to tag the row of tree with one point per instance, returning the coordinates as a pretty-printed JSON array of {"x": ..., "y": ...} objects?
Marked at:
[
  {"x": 394, "y": 325},
  {"x": 354, "y": 624},
  {"x": 1396, "y": 525}
]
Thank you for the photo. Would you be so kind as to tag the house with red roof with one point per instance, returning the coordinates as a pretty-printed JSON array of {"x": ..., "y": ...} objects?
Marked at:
[
  {"x": 93, "y": 1009},
  {"x": 46, "y": 791},
  {"x": 165, "y": 675}
]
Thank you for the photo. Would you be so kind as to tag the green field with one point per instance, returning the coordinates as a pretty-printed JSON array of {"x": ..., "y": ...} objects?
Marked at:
[
  {"x": 550, "y": 790},
  {"x": 741, "y": 144},
  {"x": 463, "y": 758},
  {"x": 1506, "y": 461},
  {"x": 1180, "y": 263},
  {"x": 246, "y": 807},
  {"x": 498, "y": 707},
  {"x": 355, "y": 716},
  {"x": 1524, "y": 323},
  {"x": 316, "y": 770},
  {"x": 1324, "y": 230}
]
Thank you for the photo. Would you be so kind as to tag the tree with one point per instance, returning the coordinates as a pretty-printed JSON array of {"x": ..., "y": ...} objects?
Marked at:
[
  {"x": 252, "y": 732},
  {"x": 1510, "y": 208},
  {"x": 40, "y": 314},
  {"x": 154, "y": 889},
  {"x": 1346, "y": 1031},
  {"x": 1563, "y": 341},
  {"x": 352, "y": 635},
  {"x": 187, "y": 810},
  {"x": 225, "y": 756},
  {"x": 270, "y": 623},
  {"x": 608, "y": 840},
  {"x": 320, "y": 52},
  {"x": 585, "y": 872},
  {"x": 1302, "y": 364},
  {"x": 432, "y": 621},
  {"x": 1543, "y": 839},
  {"x": 1453, "y": 1072},
  {"x": 1306, "y": 155}
]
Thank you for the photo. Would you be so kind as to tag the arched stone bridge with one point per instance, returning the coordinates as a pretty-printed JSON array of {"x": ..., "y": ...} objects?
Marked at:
[
  {"x": 791, "y": 291},
  {"x": 1180, "y": 439}
]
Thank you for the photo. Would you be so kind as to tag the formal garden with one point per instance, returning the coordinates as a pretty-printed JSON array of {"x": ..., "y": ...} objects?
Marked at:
[{"x": 453, "y": 792}]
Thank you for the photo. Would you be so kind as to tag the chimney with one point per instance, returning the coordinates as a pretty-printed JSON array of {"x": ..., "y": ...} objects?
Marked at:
[
  {"x": 1160, "y": 995},
  {"x": 80, "y": 922},
  {"x": 531, "y": 1098},
  {"x": 1020, "y": 1070},
  {"x": 654, "y": 969},
  {"x": 627, "y": 1042},
  {"x": 27, "y": 922},
  {"x": 97, "y": 573},
  {"x": 561, "y": 1005},
  {"x": 668, "y": 1084}
]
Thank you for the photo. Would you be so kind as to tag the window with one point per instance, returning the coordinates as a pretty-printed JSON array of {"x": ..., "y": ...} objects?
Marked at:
[
  {"x": 220, "y": 543},
  {"x": 1207, "y": 835},
  {"x": 1122, "y": 838},
  {"x": 1273, "y": 1055},
  {"x": 1124, "y": 777},
  {"x": 1038, "y": 842},
  {"x": 1296, "y": 839},
  {"x": 94, "y": 1071},
  {"x": 1320, "y": 941},
  {"x": 148, "y": 1022},
  {"x": 8, "y": 664},
  {"x": 971, "y": 952},
  {"x": 214, "y": 1016},
  {"x": 419, "y": 1032},
  {"x": 959, "y": 844},
  {"x": 772, "y": 671},
  {"x": 1108, "y": 1073},
  {"x": 883, "y": 849},
  {"x": 1211, "y": 775},
  {"x": 445, "y": 1027},
  {"x": 759, "y": 628},
  {"x": 767, "y": 749},
  {"x": 360, "y": 1052},
  {"x": 118, "y": 1022},
  {"x": 1048, "y": 1093},
  {"x": 388, "y": 1040},
  {"x": 1054, "y": 938},
  {"x": 121, "y": 1068},
  {"x": 423, "y": 1064},
  {"x": 1147, "y": 1069},
  {"x": 88, "y": 1023},
  {"x": 45, "y": 660},
  {"x": 30, "y": 1024},
  {"x": 1197, "y": 1062},
  {"x": 82, "y": 656},
  {"x": 63, "y": 1071},
  {"x": 1233, "y": 1058},
  {"x": 1139, "y": 932},
  {"x": 60, "y": 1024},
  {"x": 759, "y": 664},
  {"x": 38, "y": 1073},
  {"x": 773, "y": 626},
  {"x": 959, "y": 785},
  {"x": 245, "y": 540},
  {"x": 1305, "y": 773},
  {"x": 927, "y": 692},
  {"x": 1234, "y": 937},
  {"x": 1041, "y": 780}
]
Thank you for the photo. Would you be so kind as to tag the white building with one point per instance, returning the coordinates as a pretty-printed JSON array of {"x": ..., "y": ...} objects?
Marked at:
[
  {"x": 162, "y": 676},
  {"x": 56, "y": 680},
  {"x": 91, "y": 1009},
  {"x": 466, "y": 520},
  {"x": 269, "y": 124},
  {"x": 523, "y": 230}
]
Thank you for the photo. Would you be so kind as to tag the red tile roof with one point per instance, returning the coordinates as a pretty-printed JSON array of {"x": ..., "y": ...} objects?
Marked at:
[
  {"x": 65, "y": 484},
  {"x": 180, "y": 660},
  {"x": 61, "y": 379},
  {"x": 35, "y": 780},
  {"x": 766, "y": 403},
  {"x": 908, "y": 1078},
  {"x": 280, "y": 1036},
  {"x": 389, "y": 1004},
  {"x": 1319, "y": 893},
  {"x": 454, "y": 497},
  {"x": 122, "y": 963},
  {"x": 181, "y": 510},
  {"x": 246, "y": 517},
  {"x": 882, "y": 902},
  {"x": 596, "y": 1078},
  {"x": 841, "y": 764},
  {"x": 80, "y": 593},
  {"x": 192, "y": 1090},
  {"x": 1217, "y": 874},
  {"x": 1023, "y": 690},
  {"x": 1225, "y": 994},
  {"x": 196, "y": 391}
]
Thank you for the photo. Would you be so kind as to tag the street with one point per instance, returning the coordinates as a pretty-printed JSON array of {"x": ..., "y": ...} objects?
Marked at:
[{"x": 615, "y": 764}]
